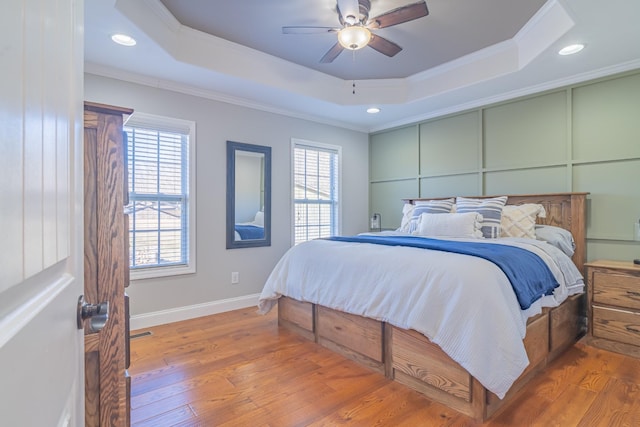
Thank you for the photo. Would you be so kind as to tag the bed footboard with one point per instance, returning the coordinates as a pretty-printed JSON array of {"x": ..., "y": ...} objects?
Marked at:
[
  {"x": 297, "y": 316},
  {"x": 409, "y": 358},
  {"x": 358, "y": 338}
]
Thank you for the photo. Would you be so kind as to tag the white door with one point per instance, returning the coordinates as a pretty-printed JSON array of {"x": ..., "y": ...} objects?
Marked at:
[{"x": 41, "y": 213}]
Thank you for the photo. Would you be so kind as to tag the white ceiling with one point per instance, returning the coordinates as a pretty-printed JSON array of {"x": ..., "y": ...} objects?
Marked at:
[{"x": 464, "y": 54}]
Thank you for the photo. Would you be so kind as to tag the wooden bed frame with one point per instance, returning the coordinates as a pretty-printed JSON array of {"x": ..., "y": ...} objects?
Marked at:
[{"x": 408, "y": 357}]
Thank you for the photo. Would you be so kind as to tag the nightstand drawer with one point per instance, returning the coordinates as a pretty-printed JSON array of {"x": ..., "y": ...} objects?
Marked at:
[
  {"x": 616, "y": 289},
  {"x": 617, "y": 325}
]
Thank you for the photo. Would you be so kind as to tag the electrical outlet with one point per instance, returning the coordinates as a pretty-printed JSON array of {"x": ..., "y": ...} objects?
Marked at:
[{"x": 235, "y": 277}]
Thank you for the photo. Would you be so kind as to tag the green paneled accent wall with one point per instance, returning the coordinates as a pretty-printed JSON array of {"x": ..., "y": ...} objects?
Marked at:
[
  {"x": 606, "y": 120},
  {"x": 394, "y": 173},
  {"x": 386, "y": 199},
  {"x": 610, "y": 249},
  {"x": 445, "y": 186},
  {"x": 583, "y": 138},
  {"x": 450, "y": 145},
  {"x": 614, "y": 198},
  {"x": 529, "y": 132},
  {"x": 394, "y": 154},
  {"x": 526, "y": 181}
]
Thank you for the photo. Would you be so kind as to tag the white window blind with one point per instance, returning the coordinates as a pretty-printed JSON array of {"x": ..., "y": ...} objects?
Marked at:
[
  {"x": 159, "y": 197},
  {"x": 316, "y": 191}
]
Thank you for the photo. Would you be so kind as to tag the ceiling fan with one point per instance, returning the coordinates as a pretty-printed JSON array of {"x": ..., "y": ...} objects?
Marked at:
[{"x": 356, "y": 27}]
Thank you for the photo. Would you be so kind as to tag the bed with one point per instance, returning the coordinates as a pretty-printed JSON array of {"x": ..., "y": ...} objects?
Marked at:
[{"x": 385, "y": 336}]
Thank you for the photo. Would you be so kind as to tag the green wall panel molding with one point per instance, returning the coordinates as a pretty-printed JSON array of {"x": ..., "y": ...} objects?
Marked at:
[
  {"x": 458, "y": 185},
  {"x": 584, "y": 138},
  {"x": 386, "y": 199},
  {"x": 606, "y": 119},
  {"x": 527, "y": 181},
  {"x": 394, "y": 154},
  {"x": 450, "y": 145},
  {"x": 526, "y": 132},
  {"x": 619, "y": 251},
  {"x": 614, "y": 199}
]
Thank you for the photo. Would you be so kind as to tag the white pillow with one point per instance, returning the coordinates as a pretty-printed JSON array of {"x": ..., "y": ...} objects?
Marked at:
[
  {"x": 450, "y": 225},
  {"x": 558, "y": 237},
  {"x": 259, "y": 219},
  {"x": 411, "y": 212},
  {"x": 520, "y": 220},
  {"x": 430, "y": 207}
]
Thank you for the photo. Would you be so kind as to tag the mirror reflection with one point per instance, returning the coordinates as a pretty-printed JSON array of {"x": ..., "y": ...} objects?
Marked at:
[{"x": 248, "y": 195}]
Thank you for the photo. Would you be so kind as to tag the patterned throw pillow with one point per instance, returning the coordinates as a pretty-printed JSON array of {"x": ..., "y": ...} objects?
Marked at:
[
  {"x": 490, "y": 209},
  {"x": 520, "y": 220},
  {"x": 428, "y": 206},
  {"x": 407, "y": 213}
]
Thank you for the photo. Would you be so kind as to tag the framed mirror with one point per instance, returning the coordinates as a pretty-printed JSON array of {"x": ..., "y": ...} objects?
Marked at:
[{"x": 248, "y": 195}]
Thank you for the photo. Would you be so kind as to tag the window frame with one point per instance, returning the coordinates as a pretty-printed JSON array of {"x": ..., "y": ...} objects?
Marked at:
[
  {"x": 186, "y": 127},
  {"x": 337, "y": 215}
]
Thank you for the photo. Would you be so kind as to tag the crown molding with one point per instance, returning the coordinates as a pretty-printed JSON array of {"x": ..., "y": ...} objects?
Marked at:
[
  {"x": 506, "y": 96},
  {"x": 114, "y": 73}
]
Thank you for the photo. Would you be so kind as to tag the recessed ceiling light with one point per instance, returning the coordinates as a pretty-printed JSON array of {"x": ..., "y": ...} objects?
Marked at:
[
  {"x": 373, "y": 110},
  {"x": 571, "y": 49},
  {"x": 123, "y": 39}
]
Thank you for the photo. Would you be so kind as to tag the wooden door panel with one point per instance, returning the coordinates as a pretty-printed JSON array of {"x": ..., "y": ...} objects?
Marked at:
[
  {"x": 106, "y": 265},
  {"x": 92, "y": 388},
  {"x": 90, "y": 212}
]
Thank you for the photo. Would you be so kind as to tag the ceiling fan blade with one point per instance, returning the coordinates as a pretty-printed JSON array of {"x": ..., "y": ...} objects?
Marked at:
[
  {"x": 307, "y": 30},
  {"x": 384, "y": 46},
  {"x": 400, "y": 15},
  {"x": 348, "y": 8},
  {"x": 332, "y": 54}
]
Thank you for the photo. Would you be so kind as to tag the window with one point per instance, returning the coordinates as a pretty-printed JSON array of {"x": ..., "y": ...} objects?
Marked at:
[
  {"x": 160, "y": 165},
  {"x": 316, "y": 190}
]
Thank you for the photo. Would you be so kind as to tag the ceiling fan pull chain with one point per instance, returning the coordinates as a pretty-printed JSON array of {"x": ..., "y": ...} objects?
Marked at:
[{"x": 353, "y": 61}]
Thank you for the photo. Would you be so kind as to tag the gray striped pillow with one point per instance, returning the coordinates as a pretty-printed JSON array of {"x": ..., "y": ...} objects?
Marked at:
[
  {"x": 429, "y": 206},
  {"x": 490, "y": 209}
]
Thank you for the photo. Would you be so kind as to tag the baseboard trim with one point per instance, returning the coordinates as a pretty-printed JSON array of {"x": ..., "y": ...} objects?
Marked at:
[{"x": 155, "y": 318}]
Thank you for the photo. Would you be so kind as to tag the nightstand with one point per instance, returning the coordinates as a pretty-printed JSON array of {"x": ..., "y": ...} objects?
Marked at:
[{"x": 614, "y": 306}]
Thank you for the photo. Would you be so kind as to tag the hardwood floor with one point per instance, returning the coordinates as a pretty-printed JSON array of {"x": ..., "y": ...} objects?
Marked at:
[{"x": 240, "y": 369}]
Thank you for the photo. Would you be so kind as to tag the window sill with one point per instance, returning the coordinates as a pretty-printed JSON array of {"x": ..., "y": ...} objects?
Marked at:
[{"x": 154, "y": 272}]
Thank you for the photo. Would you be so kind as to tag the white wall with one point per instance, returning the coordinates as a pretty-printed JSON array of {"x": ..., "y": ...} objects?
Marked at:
[{"x": 217, "y": 122}]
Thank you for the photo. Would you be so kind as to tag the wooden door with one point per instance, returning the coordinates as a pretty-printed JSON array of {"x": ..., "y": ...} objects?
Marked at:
[
  {"x": 41, "y": 358},
  {"x": 106, "y": 265}
]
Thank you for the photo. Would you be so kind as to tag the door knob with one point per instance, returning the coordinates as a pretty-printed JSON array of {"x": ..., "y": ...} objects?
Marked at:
[{"x": 97, "y": 313}]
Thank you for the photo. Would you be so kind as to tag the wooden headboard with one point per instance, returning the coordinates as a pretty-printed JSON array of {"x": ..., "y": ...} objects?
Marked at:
[{"x": 565, "y": 210}]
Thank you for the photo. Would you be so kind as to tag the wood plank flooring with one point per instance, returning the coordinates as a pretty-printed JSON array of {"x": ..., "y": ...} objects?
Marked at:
[{"x": 240, "y": 369}]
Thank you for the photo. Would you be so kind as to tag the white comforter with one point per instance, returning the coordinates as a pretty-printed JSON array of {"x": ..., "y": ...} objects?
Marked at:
[{"x": 463, "y": 303}]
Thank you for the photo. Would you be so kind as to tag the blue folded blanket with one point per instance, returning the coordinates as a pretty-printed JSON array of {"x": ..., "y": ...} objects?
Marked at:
[
  {"x": 530, "y": 277},
  {"x": 250, "y": 232}
]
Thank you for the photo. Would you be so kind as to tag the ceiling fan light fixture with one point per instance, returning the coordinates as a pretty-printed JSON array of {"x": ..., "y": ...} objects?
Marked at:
[{"x": 354, "y": 37}]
